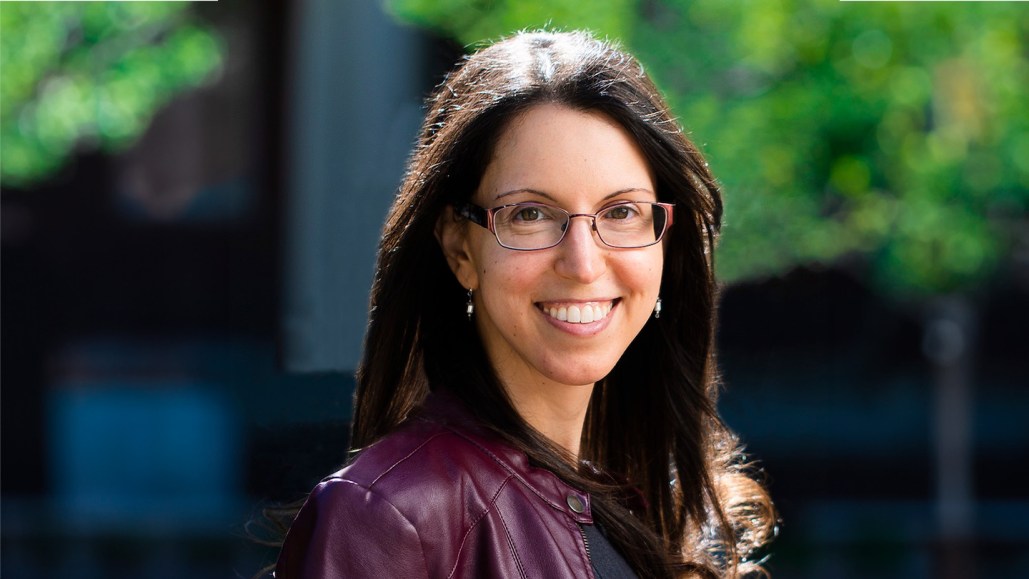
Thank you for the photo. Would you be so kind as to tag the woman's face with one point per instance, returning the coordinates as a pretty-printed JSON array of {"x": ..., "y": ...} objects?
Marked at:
[{"x": 581, "y": 162}]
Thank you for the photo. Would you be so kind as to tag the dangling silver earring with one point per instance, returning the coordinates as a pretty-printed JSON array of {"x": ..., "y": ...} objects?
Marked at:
[
  {"x": 657, "y": 308},
  {"x": 469, "y": 307}
]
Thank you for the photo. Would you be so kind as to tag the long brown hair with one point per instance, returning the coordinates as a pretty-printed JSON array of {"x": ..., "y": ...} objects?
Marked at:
[{"x": 652, "y": 427}]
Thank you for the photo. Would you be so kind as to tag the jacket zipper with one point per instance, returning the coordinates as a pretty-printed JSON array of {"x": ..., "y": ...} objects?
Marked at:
[{"x": 585, "y": 542}]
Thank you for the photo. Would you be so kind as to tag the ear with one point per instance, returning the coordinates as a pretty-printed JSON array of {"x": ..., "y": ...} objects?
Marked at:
[{"x": 452, "y": 235}]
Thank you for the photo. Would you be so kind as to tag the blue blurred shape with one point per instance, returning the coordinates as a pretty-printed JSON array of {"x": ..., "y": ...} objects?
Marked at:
[{"x": 125, "y": 453}]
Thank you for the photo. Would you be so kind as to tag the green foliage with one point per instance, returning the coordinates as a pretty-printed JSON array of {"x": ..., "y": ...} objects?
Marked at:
[
  {"x": 889, "y": 130},
  {"x": 90, "y": 74},
  {"x": 473, "y": 21},
  {"x": 895, "y": 131}
]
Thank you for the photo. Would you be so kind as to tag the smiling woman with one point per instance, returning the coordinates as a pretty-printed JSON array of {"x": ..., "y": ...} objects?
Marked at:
[
  {"x": 583, "y": 162},
  {"x": 537, "y": 392}
]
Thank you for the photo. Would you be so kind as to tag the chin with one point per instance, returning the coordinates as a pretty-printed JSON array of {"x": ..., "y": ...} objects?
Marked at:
[{"x": 578, "y": 377}]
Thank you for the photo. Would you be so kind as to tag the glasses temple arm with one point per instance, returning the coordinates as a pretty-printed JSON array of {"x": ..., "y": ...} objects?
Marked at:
[{"x": 473, "y": 213}]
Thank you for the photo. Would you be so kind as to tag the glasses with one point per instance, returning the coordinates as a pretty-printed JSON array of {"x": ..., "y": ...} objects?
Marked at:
[{"x": 532, "y": 226}]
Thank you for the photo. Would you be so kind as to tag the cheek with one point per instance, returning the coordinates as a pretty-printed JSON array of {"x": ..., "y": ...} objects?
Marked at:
[
  {"x": 508, "y": 283},
  {"x": 658, "y": 259},
  {"x": 511, "y": 282},
  {"x": 501, "y": 267},
  {"x": 656, "y": 275},
  {"x": 646, "y": 272}
]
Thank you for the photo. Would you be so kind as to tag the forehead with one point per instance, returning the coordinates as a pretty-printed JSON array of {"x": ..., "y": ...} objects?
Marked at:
[{"x": 564, "y": 151}]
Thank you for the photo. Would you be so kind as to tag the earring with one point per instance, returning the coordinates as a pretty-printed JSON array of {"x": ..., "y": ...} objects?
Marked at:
[
  {"x": 657, "y": 308},
  {"x": 469, "y": 307}
]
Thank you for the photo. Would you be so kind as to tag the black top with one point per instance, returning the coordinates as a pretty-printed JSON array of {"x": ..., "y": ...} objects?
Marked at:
[{"x": 606, "y": 561}]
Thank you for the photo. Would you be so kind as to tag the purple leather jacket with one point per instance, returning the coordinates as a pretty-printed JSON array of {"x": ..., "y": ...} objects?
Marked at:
[{"x": 440, "y": 497}]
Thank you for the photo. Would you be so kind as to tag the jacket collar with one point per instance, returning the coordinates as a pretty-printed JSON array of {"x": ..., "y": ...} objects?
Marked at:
[{"x": 444, "y": 408}]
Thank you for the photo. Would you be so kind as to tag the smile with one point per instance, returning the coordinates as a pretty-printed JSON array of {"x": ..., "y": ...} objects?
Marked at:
[{"x": 578, "y": 313}]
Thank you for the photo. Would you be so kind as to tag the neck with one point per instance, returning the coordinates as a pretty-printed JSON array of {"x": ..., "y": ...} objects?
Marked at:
[{"x": 556, "y": 411}]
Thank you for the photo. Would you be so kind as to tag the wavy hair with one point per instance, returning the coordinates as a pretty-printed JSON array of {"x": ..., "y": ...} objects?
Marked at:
[{"x": 668, "y": 479}]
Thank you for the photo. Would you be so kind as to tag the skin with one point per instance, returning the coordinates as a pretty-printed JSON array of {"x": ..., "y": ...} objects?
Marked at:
[{"x": 582, "y": 162}]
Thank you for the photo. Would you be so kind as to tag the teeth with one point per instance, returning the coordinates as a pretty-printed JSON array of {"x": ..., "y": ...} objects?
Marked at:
[{"x": 580, "y": 314}]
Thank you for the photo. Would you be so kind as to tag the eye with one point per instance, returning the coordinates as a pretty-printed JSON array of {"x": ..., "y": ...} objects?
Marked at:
[
  {"x": 621, "y": 212},
  {"x": 529, "y": 214}
]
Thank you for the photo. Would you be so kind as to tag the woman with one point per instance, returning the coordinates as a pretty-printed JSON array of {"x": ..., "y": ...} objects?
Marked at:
[{"x": 537, "y": 393}]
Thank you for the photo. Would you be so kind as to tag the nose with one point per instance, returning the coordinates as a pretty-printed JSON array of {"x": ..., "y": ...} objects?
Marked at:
[{"x": 581, "y": 255}]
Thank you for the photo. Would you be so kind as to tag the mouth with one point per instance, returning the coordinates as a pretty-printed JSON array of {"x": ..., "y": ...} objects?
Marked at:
[{"x": 578, "y": 312}]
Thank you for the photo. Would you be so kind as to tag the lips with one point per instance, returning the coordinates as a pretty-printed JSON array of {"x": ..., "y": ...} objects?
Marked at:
[{"x": 579, "y": 312}]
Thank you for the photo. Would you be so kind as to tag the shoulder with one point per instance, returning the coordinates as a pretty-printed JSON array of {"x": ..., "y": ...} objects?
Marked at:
[
  {"x": 434, "y": 498},
  {"x": 345, "y": 530},
  {"x": 419, "y": 467},
  {"x": 419, "y": 490},
  {"x": 443, "y": 460}
]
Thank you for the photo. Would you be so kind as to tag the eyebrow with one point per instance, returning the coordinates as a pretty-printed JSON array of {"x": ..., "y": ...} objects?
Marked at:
[{"x": 551, "y": 198}]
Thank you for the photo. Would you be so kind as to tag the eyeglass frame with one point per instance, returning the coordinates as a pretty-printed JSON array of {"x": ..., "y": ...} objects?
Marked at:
[{"x": 483, "y": 217}]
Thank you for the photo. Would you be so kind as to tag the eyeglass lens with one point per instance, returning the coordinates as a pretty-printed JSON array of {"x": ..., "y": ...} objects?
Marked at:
[{"x": 538, "y": 226}]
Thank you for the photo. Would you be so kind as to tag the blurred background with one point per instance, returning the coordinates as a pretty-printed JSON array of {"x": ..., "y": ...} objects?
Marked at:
[{"x": 192, "y": 195}]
